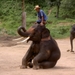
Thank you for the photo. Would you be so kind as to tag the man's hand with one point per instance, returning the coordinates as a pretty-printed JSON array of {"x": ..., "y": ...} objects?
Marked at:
[{"x": 41, "y": 24}]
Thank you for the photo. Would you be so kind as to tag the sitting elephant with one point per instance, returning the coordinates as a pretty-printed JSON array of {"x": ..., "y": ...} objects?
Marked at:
[
  {"x": 49, "y": 52},
  {"x": 72, "y": 36},
  {"x": 43, "y": 51}
]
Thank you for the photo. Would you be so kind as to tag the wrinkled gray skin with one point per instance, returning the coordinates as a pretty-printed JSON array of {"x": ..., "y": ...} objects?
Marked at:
[
  {"x": 44, "y": 54},
  {"x": 72, "y": 36}
]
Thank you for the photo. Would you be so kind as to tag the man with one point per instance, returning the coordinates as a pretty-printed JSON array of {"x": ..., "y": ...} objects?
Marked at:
[{"x": 42, "y": 18}]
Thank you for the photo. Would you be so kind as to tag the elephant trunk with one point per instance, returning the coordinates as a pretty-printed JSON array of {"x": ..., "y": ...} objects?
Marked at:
[{"x": 22, "y": 32}]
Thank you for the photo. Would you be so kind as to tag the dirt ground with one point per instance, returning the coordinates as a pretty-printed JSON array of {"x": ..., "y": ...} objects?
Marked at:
[{"x": 11, "y": 56}]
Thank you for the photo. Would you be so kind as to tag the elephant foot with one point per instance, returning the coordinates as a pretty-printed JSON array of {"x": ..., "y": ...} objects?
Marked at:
[
  {"x": 72, "y": 51},
  {"x": 68, "y": 50},
  {"x": 36, "y": 67},
  {"x": 23, "y": 67},
  {"x": 30, "y": 64}
]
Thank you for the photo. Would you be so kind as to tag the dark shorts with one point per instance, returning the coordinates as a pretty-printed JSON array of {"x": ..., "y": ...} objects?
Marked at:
[{"x": 39, "y": 21}]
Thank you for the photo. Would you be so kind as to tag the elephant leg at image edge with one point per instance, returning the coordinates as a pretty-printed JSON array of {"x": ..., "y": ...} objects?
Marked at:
[{"x": 71, "y": 42}]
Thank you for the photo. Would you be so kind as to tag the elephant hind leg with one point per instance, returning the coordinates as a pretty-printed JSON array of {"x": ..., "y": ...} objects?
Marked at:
[
  {"x": 39, "y": 58},
  {"x": 47, "y": 64}
]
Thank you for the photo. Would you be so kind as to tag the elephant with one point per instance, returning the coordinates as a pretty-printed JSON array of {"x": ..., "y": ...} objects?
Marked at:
[
  {"x": 72, "y": 36},
  {"x": 44, "y": 50},
  {"x": 49, "y": 52}
]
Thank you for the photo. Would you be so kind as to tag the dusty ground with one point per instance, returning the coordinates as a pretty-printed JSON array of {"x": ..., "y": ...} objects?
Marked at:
[{"x": 11, "y": 56}]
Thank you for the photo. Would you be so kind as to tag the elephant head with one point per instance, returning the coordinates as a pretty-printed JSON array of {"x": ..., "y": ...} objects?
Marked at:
[
  {"x": 35, "y": 33},
  {"x": 39, "y": 33}
]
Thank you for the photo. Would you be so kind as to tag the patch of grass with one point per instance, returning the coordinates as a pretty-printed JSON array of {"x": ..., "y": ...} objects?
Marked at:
[
  {"x": 59, "y": 31},
  {"x": 59, "y": 27}
]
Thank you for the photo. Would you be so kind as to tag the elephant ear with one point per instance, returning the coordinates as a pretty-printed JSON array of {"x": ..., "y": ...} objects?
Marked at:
[{"x": 45, "y": 33}]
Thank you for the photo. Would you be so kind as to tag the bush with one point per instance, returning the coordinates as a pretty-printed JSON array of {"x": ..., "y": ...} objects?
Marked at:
[
  {"x": 10, "y": 15},
  {"x": 68, "y": 8}
]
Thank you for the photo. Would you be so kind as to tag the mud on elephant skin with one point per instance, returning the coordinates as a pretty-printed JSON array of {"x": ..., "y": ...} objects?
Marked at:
[
  {"x": 47, "y": 53},
  {"x": 72, "y": 36}
]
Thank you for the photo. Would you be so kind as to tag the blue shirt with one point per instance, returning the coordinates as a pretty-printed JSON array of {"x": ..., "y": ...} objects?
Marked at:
[{"x": 40, "y": 14}]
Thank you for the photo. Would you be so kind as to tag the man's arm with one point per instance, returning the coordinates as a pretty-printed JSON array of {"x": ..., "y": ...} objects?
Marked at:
[{"x": 42, "y": 19}]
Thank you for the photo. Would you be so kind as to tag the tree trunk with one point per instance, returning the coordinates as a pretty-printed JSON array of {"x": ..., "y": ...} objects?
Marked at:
[
  {"x": 23, "y": 15},
  {"x": 24, "y": 19},
  {"x": 57, "y": 14}
]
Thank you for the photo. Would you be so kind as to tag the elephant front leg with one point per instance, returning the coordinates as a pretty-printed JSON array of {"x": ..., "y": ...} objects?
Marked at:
[
  {"x": 27, "y": 58},
  {"x": 71, "y": 42},
  {"x": 26, "y": 63}
]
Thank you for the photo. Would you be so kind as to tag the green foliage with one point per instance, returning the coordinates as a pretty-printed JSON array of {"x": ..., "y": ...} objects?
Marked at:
[
  {"x": 54, "y": 2},
  {"x": 42, "y": 3},
  {"x": 59, "y": 31},
  {"x": 68, "y": 8},
  {"x": 11, "y": 13}
]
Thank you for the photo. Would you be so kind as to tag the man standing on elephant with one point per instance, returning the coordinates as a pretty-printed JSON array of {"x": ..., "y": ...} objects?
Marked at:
[{"x": 42, "y": 18}]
